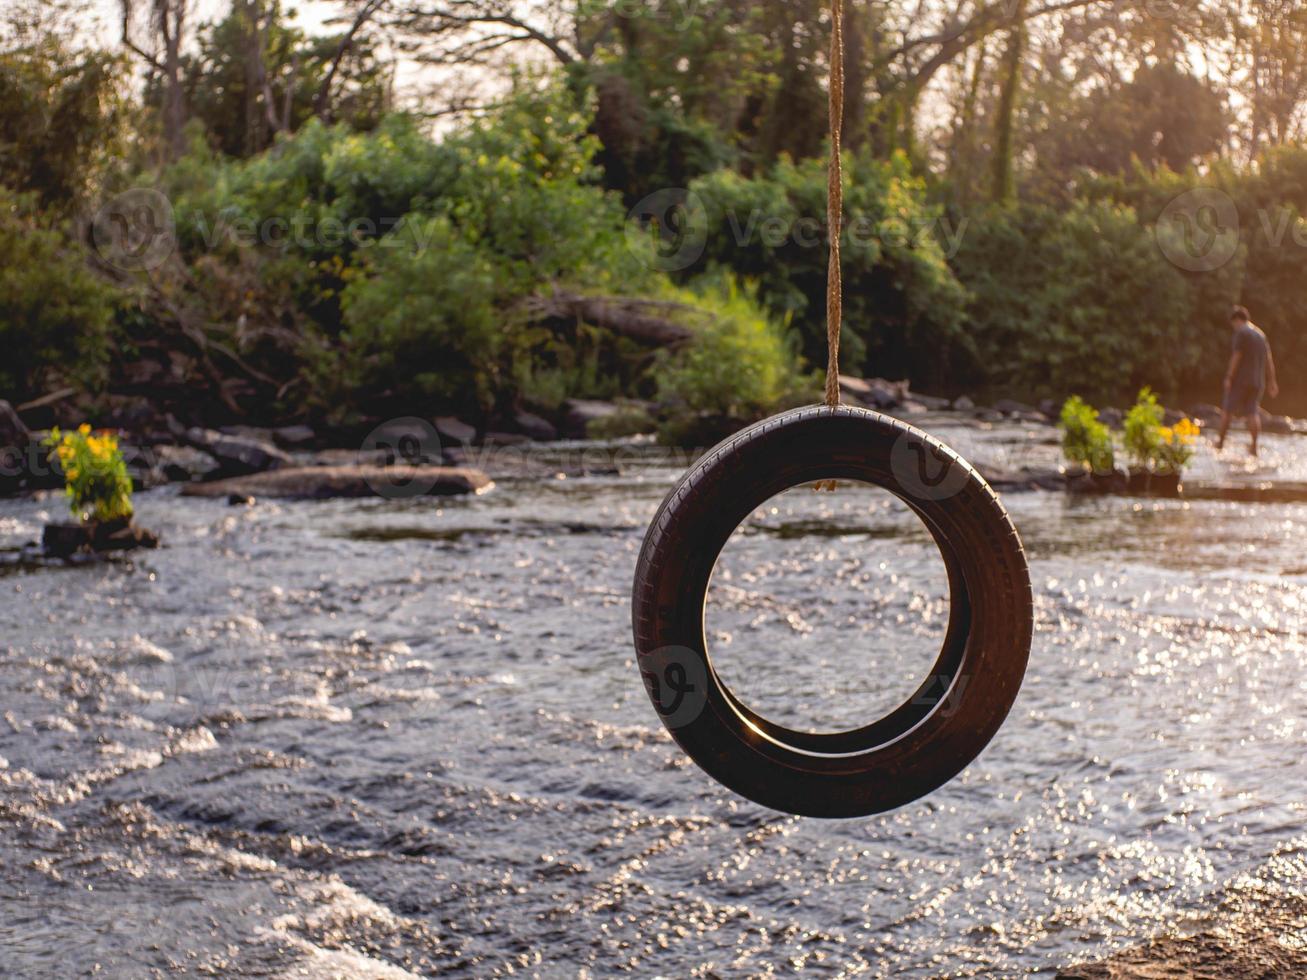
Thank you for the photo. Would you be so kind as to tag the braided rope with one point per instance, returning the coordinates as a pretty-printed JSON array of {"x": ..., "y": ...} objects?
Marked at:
[{"x": 835, "y": 206}]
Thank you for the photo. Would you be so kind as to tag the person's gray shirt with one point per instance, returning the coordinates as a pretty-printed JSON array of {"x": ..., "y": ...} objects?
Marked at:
[{"x": 1256, "y": 349}]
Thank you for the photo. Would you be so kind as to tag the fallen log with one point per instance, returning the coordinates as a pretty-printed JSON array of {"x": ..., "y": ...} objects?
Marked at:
[
  {"x": 328, "y": 482},
  {"x": 644, "y": 321}
]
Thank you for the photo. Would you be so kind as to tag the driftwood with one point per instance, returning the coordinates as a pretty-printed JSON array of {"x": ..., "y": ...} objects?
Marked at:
[{"x": 644, "y": 321}]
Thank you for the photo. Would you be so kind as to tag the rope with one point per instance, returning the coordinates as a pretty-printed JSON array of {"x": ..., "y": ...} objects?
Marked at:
[
  {"x": 835, "y": 206},
  {"x": 835, "y": 216}
]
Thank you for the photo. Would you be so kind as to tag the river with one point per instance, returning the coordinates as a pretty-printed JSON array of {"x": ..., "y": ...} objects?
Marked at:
[{"x": 385, "y": 738}]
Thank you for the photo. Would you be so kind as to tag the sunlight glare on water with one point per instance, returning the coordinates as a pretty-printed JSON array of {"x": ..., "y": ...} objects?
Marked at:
[{"x": 389, "y": 738}]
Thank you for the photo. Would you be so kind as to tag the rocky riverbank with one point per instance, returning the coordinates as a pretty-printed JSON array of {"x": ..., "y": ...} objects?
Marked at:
[
  {"x": 317, "y": 462},
  {"x": 1256, "y": 930}
]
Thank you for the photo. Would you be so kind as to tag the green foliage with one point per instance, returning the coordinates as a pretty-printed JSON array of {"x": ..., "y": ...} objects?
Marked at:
[
  {"x": 903, "y": 308},
  {"x": 628, "y": 420},
  {"x": 56, "y": 318},
  {"x": 1081, "y": 298},
  {"x": 740, "y": 365},
  {"x": 1086, "y": 441},
  {"x": 1143, "y": 425},
  {"x": 95, "y": 473},
  {"x": 227, "y": 100},
  {"x": 421, "y": 321},
  {"x": 61, "y": 120}
]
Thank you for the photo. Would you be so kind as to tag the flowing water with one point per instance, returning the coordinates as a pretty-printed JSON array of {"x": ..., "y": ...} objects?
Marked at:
[{"x": 389, "y": 738}]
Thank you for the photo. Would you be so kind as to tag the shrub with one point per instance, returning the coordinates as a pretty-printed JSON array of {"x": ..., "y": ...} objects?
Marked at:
[
  {"x": 56, "y": 317},
  {"x": 1143, "y": 427},
  {"x": 420, "y": 320},
  {"x": 1076, "y": 300},
  {"x": 95, "y": 474},
  {"x": 741, "y": 364},
  {"x": 1086, "y": 441},
  {"x": 903, "y": 308}
]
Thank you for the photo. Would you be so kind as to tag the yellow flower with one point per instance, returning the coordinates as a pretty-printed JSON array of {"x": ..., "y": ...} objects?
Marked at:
[{"x": 84, "y": 429}]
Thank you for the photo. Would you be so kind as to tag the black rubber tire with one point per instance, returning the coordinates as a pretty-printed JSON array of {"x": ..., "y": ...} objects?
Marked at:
[{"x": 933, "y": 735}]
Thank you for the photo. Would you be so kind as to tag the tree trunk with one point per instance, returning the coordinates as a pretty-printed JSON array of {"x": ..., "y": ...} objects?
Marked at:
[
  {"x": 171, "y": 19},
  {"x": 1004, "y": 189}
]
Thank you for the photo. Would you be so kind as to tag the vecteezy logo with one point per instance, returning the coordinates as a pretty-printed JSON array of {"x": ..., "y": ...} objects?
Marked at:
[
  {"x": 1199, "y": 230},
  {"x": 134, "y": 231},
  {"x": 401, "y": 455},
  {"x": 925, "y": 469},
  {"x": 677, "y": 681},
  {"x": 676, "y": 223}
]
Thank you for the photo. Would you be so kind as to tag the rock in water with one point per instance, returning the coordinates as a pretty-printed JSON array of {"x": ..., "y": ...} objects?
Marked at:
[
  {"x": 579, "y": 413},
  {"x": 455, "y": 432},
  {"x": 529, "y": 424},
  {"x": 293, "y": 436},
  {"x": 236, "y": 454},
  {"x": 327, "y": 482},
  {"x": 66, "y": 540},
  {"x": 180, "y": 464}
]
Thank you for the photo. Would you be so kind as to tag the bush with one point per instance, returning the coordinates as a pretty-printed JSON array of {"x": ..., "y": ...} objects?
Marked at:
[
  {"x": 420, "y": 320},
  {"x": 1143, "y": 427},
  {"x": 903, "y": 308},
  {"x": 1086, "y": 441},
  {"x": 740, "y": 365},
  {"x": 56, "y": 317},
  {"x": 1075, "y": 300}
]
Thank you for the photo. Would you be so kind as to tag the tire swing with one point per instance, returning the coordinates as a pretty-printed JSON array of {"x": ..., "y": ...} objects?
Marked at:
[{"x": 949, "y": 720}]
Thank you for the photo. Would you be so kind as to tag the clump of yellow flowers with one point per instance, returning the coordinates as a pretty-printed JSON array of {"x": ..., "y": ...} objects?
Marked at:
[
  {"x": 95, "y": 473},
  {"x": 1176, "y": 445}
]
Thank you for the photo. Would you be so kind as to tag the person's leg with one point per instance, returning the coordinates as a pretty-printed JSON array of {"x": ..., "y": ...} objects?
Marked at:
[
  {"x": 1225, "y": 429},
  {"x": 1255, "y": 428}
]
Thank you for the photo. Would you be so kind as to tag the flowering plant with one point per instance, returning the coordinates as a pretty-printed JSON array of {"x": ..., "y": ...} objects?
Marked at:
[
  {"x": 95, "y": 474},
  {"x": 1176, "y": 446}
]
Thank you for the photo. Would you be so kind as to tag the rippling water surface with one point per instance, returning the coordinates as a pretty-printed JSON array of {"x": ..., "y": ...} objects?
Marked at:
[{"x": 392, "y": 738}]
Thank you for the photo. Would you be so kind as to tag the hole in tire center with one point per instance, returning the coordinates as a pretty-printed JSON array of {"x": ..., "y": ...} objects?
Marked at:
[{"x": 827, "y": 611}]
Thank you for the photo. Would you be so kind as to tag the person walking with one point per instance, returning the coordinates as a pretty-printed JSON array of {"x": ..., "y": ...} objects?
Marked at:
[{"x": 1249, "y": 378}]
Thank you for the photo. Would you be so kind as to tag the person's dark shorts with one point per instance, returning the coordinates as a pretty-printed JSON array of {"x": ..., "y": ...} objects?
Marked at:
[{"x": 1244, "y": 400}]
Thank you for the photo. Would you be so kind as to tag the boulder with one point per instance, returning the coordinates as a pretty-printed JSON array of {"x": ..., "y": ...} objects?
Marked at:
[
  {"x": 505, "y": 439},
  {"x": 327, "y": 482},
  {"x": 293, "y": 436},
  {"x": 1009, "y": 406},
  {"x": 1207, "y": 414},
  {"x": 181, "y": 464},
  {"x": 408, "y": 440},
  {"x": 534, "y": 427},
  {"x": 876, "y": 392},
  {"x": 454, "y": 432},
  {"x": 579, "y": 413},
  {"x": 932, "y": 403},
  {"x": 963, "y": 404},
  {"x": 238, "y": 455},
  {"x": 65, "y": 540}
]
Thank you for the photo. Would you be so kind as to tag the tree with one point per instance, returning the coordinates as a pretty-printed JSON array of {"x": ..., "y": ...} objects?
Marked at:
[
  {"x": 254, "y": 76},
  {"x": 159, "y": 44},
  {"x": 61, "y": 118}
]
